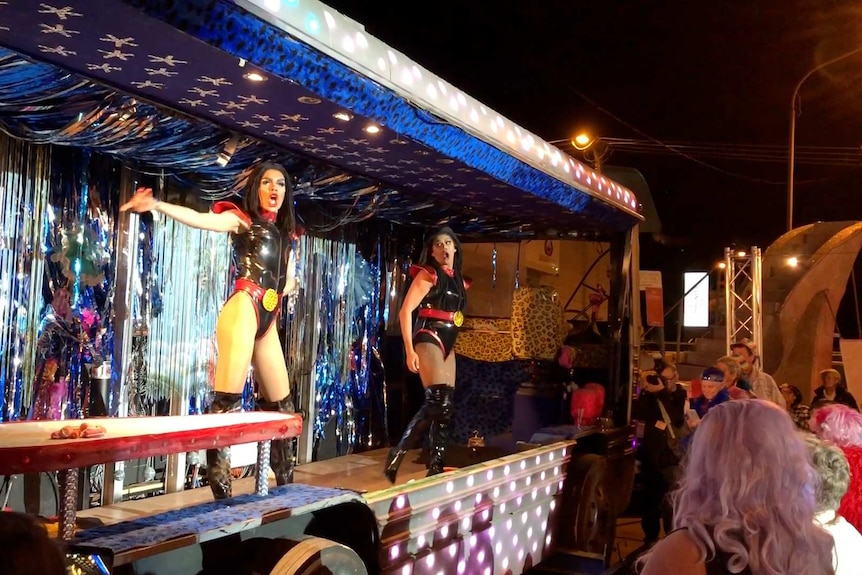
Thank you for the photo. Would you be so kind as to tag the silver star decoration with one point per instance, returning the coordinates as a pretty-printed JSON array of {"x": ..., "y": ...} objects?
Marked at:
[
  {"x": 404, "y": 161},
  {"x": 314, "y": 139},
  {"x": 203, "y": 93},
  {"x": 355, "y": 163},
  {"x": 466, "y": 170},
  {"x": 169, "y": 60},
  {"x": 286, "y": 128},
  {"x": 231, "y": 105},
  {"x": 276, "y": 134},
  {"x": 148, "y": 84},
  {"x": 106, "y": 68},
  {"x": 215, "y": 81},
  {"x": 59, "y": 50},
  {"x": 357, "y": 154},
  {"x": 119, "y": 42},
  {"x": 253, "y": 99},
  {"x": 222, "y": 113},
  {"x": 192, "y": 103},
  {"x": 356, "y": 142},
  {"x": 5, "y": 28},
  {"x": 293, "y": 118},
  {"x": 330, "y": 131},
  {"x": 314, "y": 151},
  {"x": 247, "y": 124},
  {"x": 262, "y": 117},
  {"x": 160, "y": 72},
  {"x": 373, "y": 159},
  {"x": 124, "y": 56},
  {"x": 443, "y": 176},
  {"x": 378, "y": 150},
  {"x": 458, "y": 185},
  {"x": 58, "y": 29},
  {"x": 61, "y": 13},
  {"x": 334, "y": 147},
  {"x": 412, "y": 172}
]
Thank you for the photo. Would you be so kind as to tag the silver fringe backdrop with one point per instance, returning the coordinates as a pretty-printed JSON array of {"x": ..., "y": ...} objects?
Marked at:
[{"x": 24, "y": 187}]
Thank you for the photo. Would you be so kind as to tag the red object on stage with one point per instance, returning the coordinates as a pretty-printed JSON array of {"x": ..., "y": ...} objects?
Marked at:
[
  {"x": 590, "y": 398},
  {"x": 27, "y": 447}
]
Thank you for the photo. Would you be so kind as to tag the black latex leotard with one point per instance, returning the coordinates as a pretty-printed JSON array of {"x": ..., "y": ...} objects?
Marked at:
[
  {"x": 261, "y": 255},
  {"x": 448, "y": 294}
]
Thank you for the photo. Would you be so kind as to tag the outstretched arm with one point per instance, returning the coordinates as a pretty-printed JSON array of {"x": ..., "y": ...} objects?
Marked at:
[
  {"x": 420, "y": 287},
  {"x": 143, "y": 201}
]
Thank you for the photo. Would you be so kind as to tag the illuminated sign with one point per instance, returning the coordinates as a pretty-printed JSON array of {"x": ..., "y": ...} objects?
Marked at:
[{"x": 696, "y": 304}]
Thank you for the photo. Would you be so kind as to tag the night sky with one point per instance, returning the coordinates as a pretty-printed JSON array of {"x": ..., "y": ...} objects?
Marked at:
[{"x": 675, "y": 70}]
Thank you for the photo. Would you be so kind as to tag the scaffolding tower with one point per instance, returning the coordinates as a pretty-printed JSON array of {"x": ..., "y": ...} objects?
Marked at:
[{"x": 743, "y": 281}]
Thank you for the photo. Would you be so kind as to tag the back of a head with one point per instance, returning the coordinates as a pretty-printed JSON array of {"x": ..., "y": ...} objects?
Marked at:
[
  {"x": 744, "y": 462},
  {"x": 837, "y": 424},
  {"x": 833, "y": 471},
  {"x": 26, "y": 549}
]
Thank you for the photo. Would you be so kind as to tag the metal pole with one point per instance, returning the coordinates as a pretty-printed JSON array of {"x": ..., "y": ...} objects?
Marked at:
[{"x": 791, "y": 152}]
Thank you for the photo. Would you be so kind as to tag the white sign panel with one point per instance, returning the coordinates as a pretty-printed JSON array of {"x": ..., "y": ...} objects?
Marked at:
[{"x": 696, "y": 304}]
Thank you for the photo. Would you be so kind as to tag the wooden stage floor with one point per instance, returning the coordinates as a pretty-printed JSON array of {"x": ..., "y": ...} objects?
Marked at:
[{"x": 362, "y": 472}]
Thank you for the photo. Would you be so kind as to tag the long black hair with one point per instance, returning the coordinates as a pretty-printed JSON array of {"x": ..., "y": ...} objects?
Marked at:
[
  {"x": 426, "y": 258},
  {"x": 286, "y": 219}
]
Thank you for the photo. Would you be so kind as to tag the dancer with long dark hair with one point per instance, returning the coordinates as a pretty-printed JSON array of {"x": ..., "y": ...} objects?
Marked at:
[
  {"x": 261, "y": 231},
  {"x": 439, "y": 292}
]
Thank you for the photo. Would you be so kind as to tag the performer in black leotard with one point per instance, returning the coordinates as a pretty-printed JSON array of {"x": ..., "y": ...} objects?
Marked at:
[
  {"x": 261, "y": 232},
  {"x": 440, "y": 293}
]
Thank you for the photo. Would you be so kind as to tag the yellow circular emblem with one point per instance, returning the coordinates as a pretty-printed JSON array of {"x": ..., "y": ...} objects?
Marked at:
[
  {"x": 270, "y": 299},
  {"x": 458, "y": 319}
]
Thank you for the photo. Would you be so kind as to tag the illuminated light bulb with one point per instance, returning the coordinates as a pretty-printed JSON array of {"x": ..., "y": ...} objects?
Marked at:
[
  {"x": 490, "y": 475},
  {"x": 513, "y": 486},
  {"x": 589, "y": 180},
  {"x": 407, "y": 77},
  {"x": 539, "y": 511},
  {"x": 453, "y": 549},
  {"x": 491, "y": 532},
  {"x": 461, "y": 99},
  {"x": 538, "y": 459},
  {"x": 498, "y": 548},
  {"x": 535, "y": 494},
  {"x": 528, "y": 480},
  {"x": 548, "y": 540},
  {"x": 435, "y": 513},
  {"x": 515, "y": 540},
  {"x": 552, "y": 504},
  {"x": 405, "y": 570},
  {"x": 372, "y": 129},
  {"x": 485, "y": 515},
  {"x": 509, "y": 524},
  {"x": 312, "y": 23},
  {"x": 393, "y": 59},
  {"x": 503, "y": 507},
  {"x": 505, "y": 562},
  {"x": 510, "y": 136},
  {"x": 551, "y": 456},
  {"x": 330, "y": 21},
  {"x": 400, "y": 501},
  {"x": 361, "y": 41},
  {"x": 472, "y": 541},
  {"x": 420, "y": 541},
  {"x": 487, "y": 571},
  {"x": 496, "y": 492},
  {"x": 474, "y": 115},
  {"x": 478, "y": 498},
  {"x": 480, "y": 556},
  {"x": 348, "y": 45},
  {"x": 520, "y": 554},
  {"x": 254, "y": 77},
  {"x": 793, "y": 261},
  {"x": 272, "y": 5},
  {"x": 381, "y": 63},
  {"x": 457, "y": 506},
  {"x": 444, "y": 531},
  {"x": 465, "y": 523},
  {"x": 542, "y": 476},
  {"x": 544, "y": 526},
  {"x": 524, "y": 516},
  {"x": 556, "y": 471},
  {"x": 453, "y": 103},
  {"x": 343, "y": 116},
  {"x": 530, "y": 533},
  {"x": 429, "y": 561},
  {"x": 462, "y": 566},
  {"x": 470, "y": 481},
  {"x": 741, "y": 254},
  {"x": 519, "y": 500},
  {"x": 393, "y": 553},
  {"x": 535, "y": 547},
  {"x": 432, "y": 91},
  {"x": 506, "y": 470},
  {"x": 523, "y": 465},
  {"x": 564, "y": 452},
  {"x": 566, "y": 168},
  {"x": 450, "y": 487}
]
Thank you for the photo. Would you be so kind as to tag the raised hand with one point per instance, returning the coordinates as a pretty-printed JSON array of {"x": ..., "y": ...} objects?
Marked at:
[{"x": 142, "y": 201}]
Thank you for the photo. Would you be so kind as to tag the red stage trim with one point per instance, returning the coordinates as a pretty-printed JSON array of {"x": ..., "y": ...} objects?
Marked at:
[{"x": 27, "y": 447}]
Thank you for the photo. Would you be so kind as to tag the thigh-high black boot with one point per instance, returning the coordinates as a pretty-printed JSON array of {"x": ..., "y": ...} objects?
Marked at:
[
  {"x": 415, "y": 429},
  {"x": 218, "y": 460},
  {"x": 281, "y": 452},
  {"x": 439, "y": 434}
]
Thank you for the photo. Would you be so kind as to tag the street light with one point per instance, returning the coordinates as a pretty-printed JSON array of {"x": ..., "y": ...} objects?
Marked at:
[
  {"x": 792, "y": 150},
  {"x": 591, "y": 147}
]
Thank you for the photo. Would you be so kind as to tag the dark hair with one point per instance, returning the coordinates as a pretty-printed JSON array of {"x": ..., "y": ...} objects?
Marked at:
[
  {"x": 285, "y": 220},
  {"x": 26, "y": 547},
  {"x": 425, "y": 258},
  {"x": 797, "y": 395}
]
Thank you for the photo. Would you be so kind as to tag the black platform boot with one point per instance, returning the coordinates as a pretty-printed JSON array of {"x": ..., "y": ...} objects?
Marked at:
[
  {"x": 420, "y": 423},
  {"x": 439, "y": 434},
  {"x": 218, "y": 460},
  {"x": 281, "y": 451}
]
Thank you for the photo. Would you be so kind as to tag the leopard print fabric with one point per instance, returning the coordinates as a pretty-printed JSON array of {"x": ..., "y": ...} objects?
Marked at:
[
  {"x": 538, "y": 323},
  {"x": 485, "y": 339}
]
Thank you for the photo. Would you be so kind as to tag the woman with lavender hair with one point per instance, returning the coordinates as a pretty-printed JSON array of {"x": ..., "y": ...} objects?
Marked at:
[{"x": 746, "y": 503}]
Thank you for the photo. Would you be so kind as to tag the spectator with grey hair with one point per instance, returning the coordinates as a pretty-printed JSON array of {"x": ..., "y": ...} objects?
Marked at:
[
  {"x": 832, "y": 390},
  {"x": 834, "y": 474}
]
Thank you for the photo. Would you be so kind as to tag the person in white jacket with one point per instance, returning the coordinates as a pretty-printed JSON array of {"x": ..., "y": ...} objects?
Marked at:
[{"x": 834, "y": 471}]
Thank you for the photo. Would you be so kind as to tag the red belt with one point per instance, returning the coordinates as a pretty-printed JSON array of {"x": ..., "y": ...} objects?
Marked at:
[
  {"x": 269, "y": 297},
  {"x": 437, "y": 314}
]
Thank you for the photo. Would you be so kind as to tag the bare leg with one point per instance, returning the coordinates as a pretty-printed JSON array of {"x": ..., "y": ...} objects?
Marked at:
[
  {"x": 270, "y": 368},
  {"x": 235, "y": 329},
  {"x": 271, "y": 373}
]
